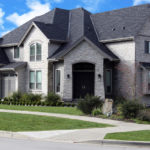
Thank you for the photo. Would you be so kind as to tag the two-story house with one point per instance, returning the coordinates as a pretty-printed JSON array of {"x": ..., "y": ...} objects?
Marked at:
[{"x": 74, "y": 53}]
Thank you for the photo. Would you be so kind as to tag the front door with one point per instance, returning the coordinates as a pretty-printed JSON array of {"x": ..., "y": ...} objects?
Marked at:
[{"x": 83, "y": 81}]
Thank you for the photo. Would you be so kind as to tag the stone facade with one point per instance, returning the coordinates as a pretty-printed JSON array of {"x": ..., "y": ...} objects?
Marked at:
[
  {"x": 84, "y": 52},
  {"x": 125, "y": 70}
]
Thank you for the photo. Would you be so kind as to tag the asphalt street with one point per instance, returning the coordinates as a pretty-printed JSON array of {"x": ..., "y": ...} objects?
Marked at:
[{"x": 15, "y": 144}]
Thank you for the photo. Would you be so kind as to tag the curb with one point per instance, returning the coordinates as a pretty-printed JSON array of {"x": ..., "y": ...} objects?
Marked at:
[{"x": 118, "y": 142}]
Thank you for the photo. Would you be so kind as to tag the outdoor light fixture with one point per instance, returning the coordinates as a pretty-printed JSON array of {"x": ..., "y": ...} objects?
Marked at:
[
  {"x": 68, "y": 76},
  {"x": 99, "y": 76}
]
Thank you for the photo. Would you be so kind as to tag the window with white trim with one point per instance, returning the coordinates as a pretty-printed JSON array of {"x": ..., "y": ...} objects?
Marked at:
[
  {"x": 35, "y": 52},
  {"x": 35, "y": 80},
  {"x": 57, "y": 81},
  {"x": 16, "y": 52}
]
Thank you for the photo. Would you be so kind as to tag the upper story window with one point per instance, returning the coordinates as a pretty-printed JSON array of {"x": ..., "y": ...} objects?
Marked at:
[
  {"x": 147, "y": 47},
  {"x": 16, "y": 52},
  {"x": 35, "y": 52}
]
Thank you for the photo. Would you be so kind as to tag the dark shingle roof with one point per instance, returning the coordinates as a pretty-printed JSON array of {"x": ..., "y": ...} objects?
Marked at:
[
  {"x": 81, "y": 26},
  {"x": 121, "y": 23},
  {"x": 56, "y": 16},
  {"x": 13, "y": 66},
  {"x": 3, "y": 57}
]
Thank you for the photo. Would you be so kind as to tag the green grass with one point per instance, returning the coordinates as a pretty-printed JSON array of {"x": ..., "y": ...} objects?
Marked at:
[
  {"x": 21, "y": 122},
  {"x": 143, "y": 135},
  {"x": 60, "y": 110}
]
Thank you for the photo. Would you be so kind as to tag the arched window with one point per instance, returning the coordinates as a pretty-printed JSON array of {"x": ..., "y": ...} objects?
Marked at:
[{"x": 35, "y": 52}]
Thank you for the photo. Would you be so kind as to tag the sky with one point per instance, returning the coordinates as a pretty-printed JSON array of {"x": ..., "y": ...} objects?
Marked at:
[{"x": 14, "y": 13}]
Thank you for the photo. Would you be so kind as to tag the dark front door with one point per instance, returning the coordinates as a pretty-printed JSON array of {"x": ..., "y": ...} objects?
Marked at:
[{"x": 83, "y": 81}]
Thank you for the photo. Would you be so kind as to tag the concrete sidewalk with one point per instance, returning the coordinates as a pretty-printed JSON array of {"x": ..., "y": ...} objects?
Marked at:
[{"x": 74, "y": 135}]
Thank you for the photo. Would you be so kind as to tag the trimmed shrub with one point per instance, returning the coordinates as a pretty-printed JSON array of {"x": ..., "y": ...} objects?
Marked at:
[
  {"x": 144, "y": 115},
  {"x": 89, "y": 103},
  {"x": 130, "y": 108},
  {"x": 96, "y": 112},
  {"x": 16, "y": 96},
  {"x": 51, "y": 99}
]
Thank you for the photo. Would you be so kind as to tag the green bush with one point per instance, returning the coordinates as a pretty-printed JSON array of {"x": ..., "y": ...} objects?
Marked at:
[
  {"x": 118, "y": 101},
  {"x": 96, "y": 112},
  {"x": 130, "y": 108},
  {"x": 16, "y": 96},
  {"x": 89, "y": 103},
  {"x": 51, "y": 99},
  {"x": 144, "y": 115}
]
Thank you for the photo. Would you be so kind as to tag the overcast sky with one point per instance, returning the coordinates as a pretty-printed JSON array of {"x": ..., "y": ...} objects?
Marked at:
[{"x": 14, "y": 13}]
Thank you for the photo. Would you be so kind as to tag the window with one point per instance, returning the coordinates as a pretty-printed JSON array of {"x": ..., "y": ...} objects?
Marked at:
[
  {"x": 16, "y": 52},
  {"x": 149, "y": 80},
  {"x": 108, "y": 81},
  {"x": 36, "y": 80},
  {"x": 57, "y": 81},
  {"x": 147, "y": 47},
  {"x": 35, "y": 52}
]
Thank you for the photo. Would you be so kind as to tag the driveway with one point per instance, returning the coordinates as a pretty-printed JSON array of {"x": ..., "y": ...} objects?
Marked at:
[{"x": 74, "y": 135}]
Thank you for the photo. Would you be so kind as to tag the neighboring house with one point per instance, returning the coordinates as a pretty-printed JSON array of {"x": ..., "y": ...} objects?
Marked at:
[{"x": 74, "y": 52}]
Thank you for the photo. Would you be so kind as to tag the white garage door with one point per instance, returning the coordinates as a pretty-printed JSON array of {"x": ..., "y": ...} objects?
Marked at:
[{"x": 8, "y": 85}]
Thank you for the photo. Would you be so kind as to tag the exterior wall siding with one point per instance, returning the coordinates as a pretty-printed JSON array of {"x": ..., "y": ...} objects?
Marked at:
[
  {"x": 125, "y": 69},
  {"x": 84, "y": 52}
]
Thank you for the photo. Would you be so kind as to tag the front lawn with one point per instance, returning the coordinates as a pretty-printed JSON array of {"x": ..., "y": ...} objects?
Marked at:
[
  {"x": 21, "y": 122},
  {"x": 130, "y": 136},
  {"x": 60, "y": 110}
]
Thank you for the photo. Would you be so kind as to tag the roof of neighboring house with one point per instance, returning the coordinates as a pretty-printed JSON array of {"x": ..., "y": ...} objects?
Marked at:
[
  {"x": 69, "y": 27},
  {"x": 3, "y": 57},
  {"x": 13, "y": 66}
]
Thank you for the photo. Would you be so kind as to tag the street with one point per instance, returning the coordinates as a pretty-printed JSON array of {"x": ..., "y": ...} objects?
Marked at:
[{"x": 15, "y": 144}]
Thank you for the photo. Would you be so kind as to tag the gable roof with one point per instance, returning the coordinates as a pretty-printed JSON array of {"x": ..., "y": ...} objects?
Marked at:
[
  {"x": 81, "y": 28},
  {"x": 121, "y": 23},
  {"x": 57, "y": 17},
  {"x": 3, "y": 57}
]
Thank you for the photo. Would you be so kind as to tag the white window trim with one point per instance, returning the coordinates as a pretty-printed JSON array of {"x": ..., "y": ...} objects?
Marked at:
[
  {"x": 111, "y": 82},
  {"x": 55, "y": 82},
  {"x": 14, "y": 54},
  {"x": 35, "y": 43},
  {"x": 35, "y": 70}
]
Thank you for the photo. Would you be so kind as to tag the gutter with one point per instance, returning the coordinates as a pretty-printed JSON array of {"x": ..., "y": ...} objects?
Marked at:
[{"x": 117, "y": 40}]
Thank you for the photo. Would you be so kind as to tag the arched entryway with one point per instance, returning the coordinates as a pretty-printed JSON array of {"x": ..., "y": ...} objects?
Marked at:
[{"x": 83, "y": 79}]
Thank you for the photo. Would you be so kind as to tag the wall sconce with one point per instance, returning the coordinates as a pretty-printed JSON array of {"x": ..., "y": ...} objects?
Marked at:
[
  {"x": 68, "y": 76},
  {"x": 99, "y": 76}
]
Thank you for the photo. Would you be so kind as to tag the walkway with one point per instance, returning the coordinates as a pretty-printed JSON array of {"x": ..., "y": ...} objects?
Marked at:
[{"x": 75, "y": 135}]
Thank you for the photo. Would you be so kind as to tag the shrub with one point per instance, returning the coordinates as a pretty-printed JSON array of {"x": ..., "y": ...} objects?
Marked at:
[
  {"x": 119, "y": 100},
  {"x": 144, "y": 115},
  {"x": 16, "y": 96},
  {"x": 96, "y": 112},
  {"x": 51, "y": 99},
  {"x": 130, "y": 108},
  {"x": 87, "y": 104}
]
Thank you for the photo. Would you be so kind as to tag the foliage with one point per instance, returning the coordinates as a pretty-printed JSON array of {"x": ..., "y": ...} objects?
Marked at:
[
  {"x": 130, "y": 108},
  {"x": 52, "y": 99},
  {"x": 119, "y": 100},
  {"x": 96, "y": 112},
  {"x": 89, "y": 103},
  {"x": 16, "y": 96},
  {"x": 144, "y": 115}
]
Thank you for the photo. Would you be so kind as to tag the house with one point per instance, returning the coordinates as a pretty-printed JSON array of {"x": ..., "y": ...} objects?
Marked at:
[{"x": 74, "y": 52}]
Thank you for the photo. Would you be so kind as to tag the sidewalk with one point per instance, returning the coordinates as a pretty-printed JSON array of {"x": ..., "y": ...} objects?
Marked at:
[{"x": 80, "y": 135}]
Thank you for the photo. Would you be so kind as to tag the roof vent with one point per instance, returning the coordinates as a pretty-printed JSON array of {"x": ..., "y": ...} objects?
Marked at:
[{"x": 113, "y": 29}]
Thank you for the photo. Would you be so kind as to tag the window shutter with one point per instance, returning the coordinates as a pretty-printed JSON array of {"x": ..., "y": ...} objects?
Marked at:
[{"x": 146, "y": 46}]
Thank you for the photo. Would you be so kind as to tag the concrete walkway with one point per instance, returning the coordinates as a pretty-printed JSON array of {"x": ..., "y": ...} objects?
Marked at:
[{"x": 74, "y": 135}]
